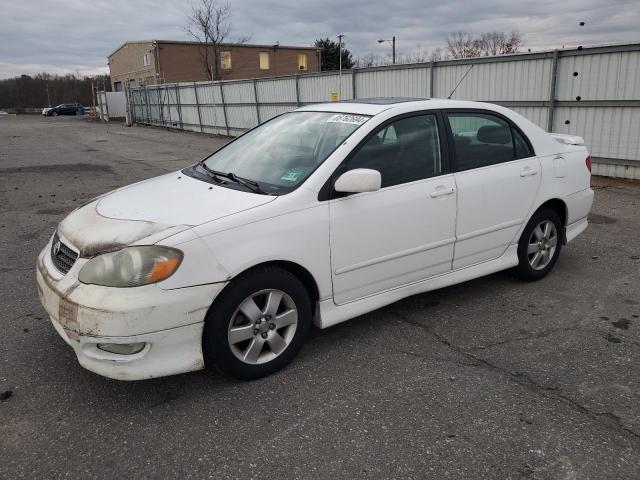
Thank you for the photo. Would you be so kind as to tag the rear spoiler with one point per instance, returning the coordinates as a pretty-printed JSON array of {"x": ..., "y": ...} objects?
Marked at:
[{"x": 567, "y": 139}]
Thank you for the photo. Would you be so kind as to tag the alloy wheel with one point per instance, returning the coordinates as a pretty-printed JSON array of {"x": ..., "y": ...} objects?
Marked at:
[
  {"x": 542, "y": 245},
  {"x": 263, "y": 326}
]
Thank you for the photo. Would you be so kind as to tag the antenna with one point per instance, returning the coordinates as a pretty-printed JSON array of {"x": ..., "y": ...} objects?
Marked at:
[{"x": 463, "y": 77}]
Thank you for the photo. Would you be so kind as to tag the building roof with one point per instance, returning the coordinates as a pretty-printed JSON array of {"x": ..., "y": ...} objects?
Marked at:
[{"x": 230, "y": 44}]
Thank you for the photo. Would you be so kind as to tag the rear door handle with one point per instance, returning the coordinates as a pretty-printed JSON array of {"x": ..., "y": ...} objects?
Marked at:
[
  {"x": 441, "y": 191},
  {"x": 528, "y": 172}
]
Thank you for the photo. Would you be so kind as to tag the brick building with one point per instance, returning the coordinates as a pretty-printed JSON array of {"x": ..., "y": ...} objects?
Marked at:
[{"x": 163, "y": 61}]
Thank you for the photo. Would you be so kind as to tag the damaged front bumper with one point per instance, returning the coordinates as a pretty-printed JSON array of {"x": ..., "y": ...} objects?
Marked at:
[{"x": 168, "y": 322}]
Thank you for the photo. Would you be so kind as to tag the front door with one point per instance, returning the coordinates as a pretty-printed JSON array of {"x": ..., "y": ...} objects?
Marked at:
[
  {"x": 497, "y": 174},
  {"x": 403, "y": 232}
]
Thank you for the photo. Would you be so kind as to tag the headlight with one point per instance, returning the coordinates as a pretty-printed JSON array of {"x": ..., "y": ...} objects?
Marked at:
[{"x": 131, "y": 266}]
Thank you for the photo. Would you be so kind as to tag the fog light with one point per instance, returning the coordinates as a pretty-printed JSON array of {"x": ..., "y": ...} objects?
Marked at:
[{"x": 122, "y": 348}]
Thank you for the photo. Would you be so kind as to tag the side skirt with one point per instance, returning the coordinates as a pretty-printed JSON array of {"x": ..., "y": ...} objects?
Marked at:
[{"x": 329, "y": 313}]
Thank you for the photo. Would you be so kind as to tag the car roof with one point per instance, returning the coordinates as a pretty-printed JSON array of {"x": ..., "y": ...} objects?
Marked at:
[{"x": 374, "y": 106}]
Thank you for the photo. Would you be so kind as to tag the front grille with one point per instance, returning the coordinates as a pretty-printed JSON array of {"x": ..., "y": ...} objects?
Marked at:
[{"x": 62, "y": 256}]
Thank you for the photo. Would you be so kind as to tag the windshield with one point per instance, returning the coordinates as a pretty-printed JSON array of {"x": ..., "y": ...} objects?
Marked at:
[{"x": 280, "y": 154}]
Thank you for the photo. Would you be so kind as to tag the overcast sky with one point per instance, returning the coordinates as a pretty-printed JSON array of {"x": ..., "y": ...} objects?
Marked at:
[{"x": 77, "y": 35}]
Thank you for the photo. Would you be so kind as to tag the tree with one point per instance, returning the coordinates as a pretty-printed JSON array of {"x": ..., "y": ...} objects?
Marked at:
[
  {"x": 330, "y": 56},
  {"x": 45, "y": 89},
  {"x": 499, "y": 43},
  {"x": 209, "y": 23},
  {"x": 464, "y": 45}
]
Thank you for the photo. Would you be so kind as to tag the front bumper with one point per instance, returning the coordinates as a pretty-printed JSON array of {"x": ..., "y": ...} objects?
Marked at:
[{"x": 169, "y": 322}]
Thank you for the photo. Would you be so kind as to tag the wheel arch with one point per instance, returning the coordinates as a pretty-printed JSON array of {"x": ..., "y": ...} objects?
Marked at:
[
  {"x": 560, "y": 207},
  {"x": 297, "y": 270}
]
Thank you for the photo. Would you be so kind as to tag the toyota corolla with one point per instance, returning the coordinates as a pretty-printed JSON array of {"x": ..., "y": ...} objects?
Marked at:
[{"x": 314, "y": 217}]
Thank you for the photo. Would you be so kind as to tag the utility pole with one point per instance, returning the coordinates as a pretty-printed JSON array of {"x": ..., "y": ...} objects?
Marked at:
[
  {"x": 393, "y": 50},
  {"x": 340, "y": 37},
  {"x": 48, "y": 96}
]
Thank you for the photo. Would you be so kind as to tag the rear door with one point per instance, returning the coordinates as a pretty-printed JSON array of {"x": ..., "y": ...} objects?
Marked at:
[
  {"x": 405, "y": 231},
  {"x": 497, "y": 176}
]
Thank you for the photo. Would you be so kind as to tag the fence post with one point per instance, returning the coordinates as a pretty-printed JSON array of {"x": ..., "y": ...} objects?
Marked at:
[
  {"x": 146, "y": 101},
  {"x": 255, "y": 96},
  {"x": 179, "y": 106},
  {"x": 552, "y": 91},
  {"x": 432, "y": 67},
  {"x": 195, "y": 92},
  {"x": 353, "y": 84},
  {"x": 106, "y": 104},
  {"x": 224, "y": 110},
  {"x": 298, "y": 90}
]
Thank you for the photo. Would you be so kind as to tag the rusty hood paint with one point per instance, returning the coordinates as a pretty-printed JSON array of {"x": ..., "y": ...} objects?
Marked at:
[{"x": 151, "y": 210}]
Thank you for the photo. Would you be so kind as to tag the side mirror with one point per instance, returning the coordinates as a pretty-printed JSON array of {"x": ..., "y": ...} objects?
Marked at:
[{"x": 359, "y": 180}]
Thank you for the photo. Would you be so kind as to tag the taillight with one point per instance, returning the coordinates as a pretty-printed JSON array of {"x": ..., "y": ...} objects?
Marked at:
[{"x": 588, "y": 163}]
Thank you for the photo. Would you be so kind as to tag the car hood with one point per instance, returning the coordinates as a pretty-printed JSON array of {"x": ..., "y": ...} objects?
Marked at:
[{"x": 152, "y": 210}]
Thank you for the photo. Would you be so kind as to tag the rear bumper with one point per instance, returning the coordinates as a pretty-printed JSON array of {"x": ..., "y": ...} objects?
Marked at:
[
  {"x": 578, "y": 208},
  {"x": 168, "y": 322}
]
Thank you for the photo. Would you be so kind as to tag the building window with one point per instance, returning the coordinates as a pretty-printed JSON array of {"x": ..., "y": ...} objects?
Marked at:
[
  {"x": 264, "y": 60},
  {"x": 145, "y": 60},
  {"x": 225, "y": 60},
  {"x": 302, "y": 61}
]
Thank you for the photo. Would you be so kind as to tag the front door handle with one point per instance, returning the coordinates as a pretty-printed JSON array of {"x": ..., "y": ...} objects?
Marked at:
[
  {"x": 441, "y": 191},
  {"x": 528, "y": 172}
]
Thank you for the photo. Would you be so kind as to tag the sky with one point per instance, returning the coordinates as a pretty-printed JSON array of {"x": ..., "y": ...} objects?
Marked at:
[{"x": 63, "y": 36}]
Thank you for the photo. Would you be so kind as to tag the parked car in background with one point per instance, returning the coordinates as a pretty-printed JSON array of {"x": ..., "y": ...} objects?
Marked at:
[
  {"x": 63, "y": 109},
  {"x": 316, "y": 216}
]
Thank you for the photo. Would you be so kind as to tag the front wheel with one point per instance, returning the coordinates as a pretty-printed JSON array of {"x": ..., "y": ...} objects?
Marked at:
[
  {"x": 539, "y": 245},
  {"x": 257, "y": 324}
]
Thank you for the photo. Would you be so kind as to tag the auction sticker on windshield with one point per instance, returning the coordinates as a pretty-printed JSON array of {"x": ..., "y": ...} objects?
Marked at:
[
  {"x": 346, "y": 118},
  {"x": 292, "y": 175}
]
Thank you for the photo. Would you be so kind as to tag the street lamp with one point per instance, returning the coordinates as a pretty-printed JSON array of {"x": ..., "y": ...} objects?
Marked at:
[{"x": 393, "y": 47}]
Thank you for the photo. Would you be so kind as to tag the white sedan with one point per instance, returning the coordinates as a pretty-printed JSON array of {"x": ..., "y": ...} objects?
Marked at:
[{"x": 316, "y": 216}]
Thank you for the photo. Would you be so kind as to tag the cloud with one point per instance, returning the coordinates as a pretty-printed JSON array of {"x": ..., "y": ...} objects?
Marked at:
[{"x": 78, "y": 35}]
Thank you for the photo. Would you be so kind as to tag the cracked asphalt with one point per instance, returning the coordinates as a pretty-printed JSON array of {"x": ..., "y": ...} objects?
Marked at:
[{"x": 493, "y": 378}]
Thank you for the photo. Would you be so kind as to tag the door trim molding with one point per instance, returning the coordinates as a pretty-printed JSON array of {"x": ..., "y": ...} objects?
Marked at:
[
  {"x": 393, "y": 256},
  {"x": 494, "y": 228}
]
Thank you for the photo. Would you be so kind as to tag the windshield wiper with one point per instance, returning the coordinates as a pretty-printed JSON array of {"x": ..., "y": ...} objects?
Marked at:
[{"x": 245, "y": 182}]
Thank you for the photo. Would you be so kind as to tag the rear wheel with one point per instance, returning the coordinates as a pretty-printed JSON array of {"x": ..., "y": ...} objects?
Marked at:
[
  {"x": 539, "y": 245},
  {"x": 258, "y": 323}
]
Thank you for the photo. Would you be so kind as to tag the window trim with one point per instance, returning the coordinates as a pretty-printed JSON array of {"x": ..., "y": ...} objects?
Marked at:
[
  {"x": 222, "y": 54},
  {"x": 328, "y": 192},
  {"x": 268, "y": 61},
  {"x": 453, "y": 160},
  {"x": 305, "y": 64}
]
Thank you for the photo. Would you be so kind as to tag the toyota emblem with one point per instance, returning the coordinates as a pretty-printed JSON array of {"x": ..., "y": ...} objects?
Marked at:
[{"x": 56, "y": 248}]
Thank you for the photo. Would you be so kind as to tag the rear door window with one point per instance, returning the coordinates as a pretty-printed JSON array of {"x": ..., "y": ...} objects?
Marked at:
[{"x": 482, "y": 139}]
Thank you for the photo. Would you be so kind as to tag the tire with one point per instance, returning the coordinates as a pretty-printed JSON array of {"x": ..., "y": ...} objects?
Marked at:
[
  {"x": 54, "y": 114},
  {"x": 539, "y": 245},
  {"x": 239, "y": 347}
]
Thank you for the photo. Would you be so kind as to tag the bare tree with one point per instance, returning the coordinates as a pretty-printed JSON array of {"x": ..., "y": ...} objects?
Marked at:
[
  {"x": 499, "y": 43},
  {"x": 370, "y": 60},
  {"x": 464, "y": 45},
  {"x": 438, "y": 54},
  {"x": 209, "y": 23}
]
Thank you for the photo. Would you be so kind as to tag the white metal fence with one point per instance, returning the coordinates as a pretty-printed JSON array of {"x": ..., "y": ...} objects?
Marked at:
[
  {"x": 592, "y": 92},
  {"x": 111, "y": 105}
]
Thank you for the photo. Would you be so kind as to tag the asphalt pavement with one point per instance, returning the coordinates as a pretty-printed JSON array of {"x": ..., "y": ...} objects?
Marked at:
[{"x": 493, "y": 378}]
